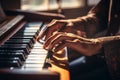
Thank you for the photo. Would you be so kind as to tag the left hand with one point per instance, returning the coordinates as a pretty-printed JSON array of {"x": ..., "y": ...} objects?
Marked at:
[{"x": 83, "y": 45}]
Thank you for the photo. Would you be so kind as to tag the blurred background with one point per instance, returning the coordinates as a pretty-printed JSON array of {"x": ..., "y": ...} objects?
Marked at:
[
  {"x": 69, "y": 8},
  {"x": 52, "y": 4}
]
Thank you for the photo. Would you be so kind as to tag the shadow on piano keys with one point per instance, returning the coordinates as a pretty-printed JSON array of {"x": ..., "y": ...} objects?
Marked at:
[{"x": 22, "y": 58}]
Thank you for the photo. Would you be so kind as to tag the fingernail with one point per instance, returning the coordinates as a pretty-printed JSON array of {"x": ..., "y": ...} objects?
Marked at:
[{"x": 47, "y": 48}]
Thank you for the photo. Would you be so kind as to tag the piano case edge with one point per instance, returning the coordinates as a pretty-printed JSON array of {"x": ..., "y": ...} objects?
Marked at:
[{"x": 19, "y": 74}]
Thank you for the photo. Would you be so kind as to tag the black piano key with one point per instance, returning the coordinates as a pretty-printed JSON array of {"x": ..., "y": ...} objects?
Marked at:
[
  {"x": 12, "y": 59},
  {"x": 20, "y": 41},
  {"x": 29, "y": 24},
  {"x": 16, "y": 47},
  {"x": 29, "y": 31},
  {"x": 14, "y": 51},
  {"x": 24, "y": 37},
  {"x": 28, "y": 27},
  {"x": 21, "y": 50},
  {"x": 26, "y": 34},
  {"x": 7, "y": 64},
  {"x": 22, "y": 46},
  {"x": 10, "y": 62},
  {"x": 33, "y": 25},
  {"x": 10, "y": 55}
]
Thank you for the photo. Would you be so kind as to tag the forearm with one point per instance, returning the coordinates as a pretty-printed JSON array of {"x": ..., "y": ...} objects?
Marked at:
[
  {"x": 97, "y": 18},
  {"x": 90, "y": 23},
  {"x": 95, "y": 21}
]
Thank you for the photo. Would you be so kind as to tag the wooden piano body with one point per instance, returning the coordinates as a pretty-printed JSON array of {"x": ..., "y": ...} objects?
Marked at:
[{"x": 16, "y": 29}]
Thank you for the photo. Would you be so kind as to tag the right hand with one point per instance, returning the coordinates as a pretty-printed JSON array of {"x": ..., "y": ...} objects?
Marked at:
[
  {"x": 53, "y": 26},
  {"x": 70, "y": 26},
  {"x": 85, "y": 46}
]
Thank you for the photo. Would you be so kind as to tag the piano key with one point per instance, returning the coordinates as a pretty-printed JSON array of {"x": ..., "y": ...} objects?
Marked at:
[
  {"x": 39, "y": 50},
  {"x": 35, "y": 59},
  {"x": 25, "y": 51},
  {"x": 20, "y": 41},
  {"x": 13, "y": 51},
  {"x": 26, "y": 34},
  {"x": 16, "y": 47},
  {"x": 33, "y": 65},
  {"x": 34, "y": 24},
  {"x": 11, "y": 59},
  {"x": 10, "y": 62},
  {"x": 34, "y": 62},
  {"x": 24, "y": 37},
  {"x": 38, "y": 47},
  {"x": 37, "y": 55},
  {"x": 31, "y": 28},
  {"x": 32, "y": 68},
  {"x": 10, "y": 55},
  {"x": 29, "y": 31}
]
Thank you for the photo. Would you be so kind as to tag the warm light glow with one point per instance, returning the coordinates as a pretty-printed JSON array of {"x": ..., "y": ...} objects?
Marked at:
[
  {"x": 65, "y": 75},
  {"x": 49, "y": 4}
]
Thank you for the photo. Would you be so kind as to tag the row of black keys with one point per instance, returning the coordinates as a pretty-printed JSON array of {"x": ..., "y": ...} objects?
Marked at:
[{"x": 15, "y": 50}]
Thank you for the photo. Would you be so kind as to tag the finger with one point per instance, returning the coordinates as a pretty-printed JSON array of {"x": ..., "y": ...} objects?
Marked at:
[
  {"x": 67, "y": 43},
  {"x": 59, "y": 47},
  {"x": 60, "y": 39},
  {"x": 50, "y": 26},
  {"x": 57, "y": 27},
  {"x": 42, "y": 32},
  {"x": 52, "y": 23},
  {"x": 50, "y": 32},
  {"x": 55, "y": 39},
  {"x": 49, "y": 40}
]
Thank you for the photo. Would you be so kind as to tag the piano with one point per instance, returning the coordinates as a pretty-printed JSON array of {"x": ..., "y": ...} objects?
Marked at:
[{"x": 21, "y": 56}]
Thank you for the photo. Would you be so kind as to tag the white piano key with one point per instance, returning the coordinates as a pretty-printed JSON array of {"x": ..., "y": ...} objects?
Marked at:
[
  {"x": 36, "y": 56},
  {"x": 38, "y": 50},
  {"x": 33, "y": 58},
  {"x": 37, "y": 53},
  {"x": 33, "y": 65},
  {"x": 34, "y": 62},
  {"x": 32, "y": 68}
]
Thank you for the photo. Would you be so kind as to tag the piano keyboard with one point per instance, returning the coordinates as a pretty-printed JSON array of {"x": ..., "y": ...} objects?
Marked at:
[
  {"x": 22, "y": 51},
  {"x": 36, "y": 58},
  {"x": 23, "y": 58}
]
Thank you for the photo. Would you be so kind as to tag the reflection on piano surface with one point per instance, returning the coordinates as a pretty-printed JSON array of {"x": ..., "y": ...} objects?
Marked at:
[{"x": 22, "y": 58}]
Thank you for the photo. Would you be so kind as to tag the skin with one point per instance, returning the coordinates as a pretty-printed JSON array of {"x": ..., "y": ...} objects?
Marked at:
[
  {"x": 66, "y": 33},
  {"x": 70, "y": 26},
  {"x": 70, "y": 33},
  {"x": 84, "y": 46}
]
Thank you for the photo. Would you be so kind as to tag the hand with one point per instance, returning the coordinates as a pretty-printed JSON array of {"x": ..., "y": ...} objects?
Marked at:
[
  {"x": 83, "y": 45},
  {"x": 70, "y": 26}
]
